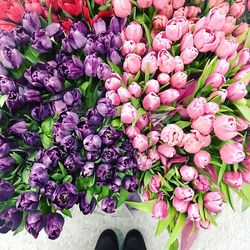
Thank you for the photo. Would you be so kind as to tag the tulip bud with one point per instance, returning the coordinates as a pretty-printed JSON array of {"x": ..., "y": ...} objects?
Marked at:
[
  {"x": 142, "y": 122},
  {"x": 123, "y": 94},
  {"x": 188, "y": 173},
  {"x": 232, "y": 153},
  {"x": 194, "y": 212},
  {"x": 151, "y": 102},
  {"x": 216, "y": 80},
  {"x": 236, "y": 91},
  {"x": 169, "y": 96},
  {"x": 149, "y": 61},
  {"x": 202, "y": 159},
  {"x": 178, "y": 80},
  {"x": 132, "y": 132},
  {"x": 113, "y": 83},
  {"x": 179, "y": 64},
  {"x": 233, "y": 179},
  {"x": 189, "y": 54},
  {"x": 141, "y": 49},
  {"x": 135, "y": 89},
  {"x": 133, "y": 32},
  {"x": 180, "y": 205},
  {"x": 159, "y": 22},
  {"x": 128, "y": 113},
  {"x": 204, "y": 124},
  {"x": 152, "y": 86},
  {"x": 163, "y": 78},
  {"x": 122, "y": 8},
  {"x": 166, "y": 150},
  {"x": 160, "y": 210},
  {"x": 132, "y": 63},
  {"x": 201, "y": 183},
  {"x": 111, "y": 95},
  {"x": 140, "y": 142},
  {"x": 153, "y": 137},
  {"x": 196, "y": 108},
  {"x": 213, "y": 202},
  {"x": 211, "y": 108},
  {"x": 128, "y": 47}
]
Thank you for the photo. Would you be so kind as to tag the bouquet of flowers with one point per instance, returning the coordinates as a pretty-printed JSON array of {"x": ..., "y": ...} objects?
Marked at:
[{"x": 101, "y": 99}]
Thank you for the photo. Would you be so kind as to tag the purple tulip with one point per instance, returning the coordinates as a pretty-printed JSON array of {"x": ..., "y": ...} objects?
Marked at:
[
  {"x": 53, "y": 84},
  {"x": 20, "y": 35},
  {"x": 114, "y": 56},
  {"x": 15, "y": 101},
  {"x": 51, "y": 68},
  {"x": 6, "y": 190},
  {"x": 18, "y": 128},
  {"x": 104, "y": 173},
  {"x": 103, "y": 71},
  {"x": 34, "y": 223},
  {"x": 31, "y": 138},
  {"x": 81, "y": 27},
  {"x": 93, "y": 155},
  {"x": 116, "y": 43},
  {"x": 115, "y": 26},
  {"x": 6, "y": 164},
  {"x": 73, "y": 162},
  {"x": 84, "y": 129},
  {"x": 65, "y": 196},
  {"x": 89, "y": 47},
  {"x": 7, "y": 85},
  {"x": 105, "y": 108},
  {"x": 58, "y": 106},
  {"x": 55, "y": 30},
  {"x": 108, "y": 204},
  {"x": 68, "y": 143},
  {"x": 6, "y": 39},
  {"x": 31, "y": 22},
  {"x": 31, "y": 95},
  {"x": 87, "y": 169},
  {"x": 102, "y": 43},
  {"x": 94, "y": 118},
  {"x": 61, "y": 57},
  {"x": 110, "y": 154},
  {"x": 27, "y": 201},
  {"x": 40, "y": 41},
  {"x": 116, "y": 184},
  {"x": 69, "y": 121},
  {"x": 124, "y": 163},
  {"x": 38, "y": 176},
  {"x": 109, "y": 135},
  {"x": 10, "y": 219},
  {"x": 39, "y": 113},
  {"x": 128, "y": 147},
  {"x": 3, "y": 70},
  {"x": 85, "y": 206},
  {"x": 91, "y": 63},
  {"x": 4, "y": 146},
  {"x": 48, "y": 189},
  {"x": 54, "y": 225},
  {"x": 92, "y": 143},
  {"x": 99, "y": 26},
  {"x": 130, "y": 183},
  {"x": 76, "y": 40},
  {"x": 72, "y": 97},
  {"x": 11, "y": 58}
]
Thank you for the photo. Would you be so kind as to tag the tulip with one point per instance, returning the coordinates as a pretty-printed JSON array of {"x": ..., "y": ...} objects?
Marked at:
[
  {"x": 244, "y": 56},
  {"x": 202, "y": 159},
  {"x": 132, "y": 132},
  {"x": 222, "y": 93},
  {"x": 179, "y": 80},
  {"x": 6, "y": 190},
  {"x": 159, "y": 4},
  {"x": 165, "y": 61},
  {"x": 149, "y": 62},
  {"x": 109, "y": 135},
  {"x": 232, "y": 153},
  {"x": 242, "y": 124},
  {"x": 122, "y": 8},
  {"x": 85, "y": 206},
  {"x": 103, "y": 71},
  {"x": 172, "y": 134},
  {"x": 204, "y": 124},
  {"x": 194, "y": 212},
  {"x": 153, "y": 137},
  {"x": 179, "y": 64},
  {"x": 94, "y": 118},
  {"x": 233, "y": 179},
  {"x": 160, "y": 210},
  {"x": 151, "y": 102},
  {"x": 241, "y": 28},
  {"x": 133, "y": 32},
  {"x": 215, "y": 19},
  {"x": 110, "y": 154},
  {"x": 187, "y": 41},
  {"x": 143, "y": 162},
  {"x": 176, "y": 28},
  {"x": 113, "y": 83},
  {"x": 130, "y": 183},
  {"x": 108, "y": 204},
  {"x": 141, "y": 49},
  {"x": 192, "y": 142},
  {"x": 153, "y": 155},
  {"x": 201, "y": 183},
  {"x": 163, "y": 78},
  {"x": 178, "y": 4},
  {"x": 144, "y": 3},
  {"x": 11, "y": 58},
  {"x": 54, "y": 225},
  {"x": 114, "y": 97},
  {"x": 15, "y": 12},
  {"x": 6, "y": 85},
  {"x": 128, "y": 113},
  {"x": 216, "y": 80},
  {"x": 226, "y": 48},
  {"x": 128, "y": 47},
  {"x": 127, "y": 77},
  {"x": 116, "y": 184},
  {"x": 105, "y": 108},
  {"x": 38, "y": 176},
  {"x": 48, "y": 190},
  {"x": 19, "y": 128},
  {"x": 188, "y": 55},
  {"x": 161, "y": 42},
  {"x": 211, "y": 108},
  {"x": 229, "y": 25},
  {"x": 135, "y": 89},
  {"x": 237, "y": 8},
  {"x": 236, "y": 91},
  {"x": 213, "y": 202},
  {"x": 166, "y": 150},
  {"x": 188, "y": 173},
  {"x": 155, "y": 184},
  {"x": 196, "y": 108},
  {"x": 222, "y": 67},
  {"x": 132, "y": 63},
  {"x": 169, "y": 96},
  {"x": 140, "y": 142},
  {"x": 180, "y": 205},
  {"x": 159, "y": 22},
  {"x": 27, "y": 201},
  {"x": 34, "y": 223},
  {"x": 124, "y": 94}
]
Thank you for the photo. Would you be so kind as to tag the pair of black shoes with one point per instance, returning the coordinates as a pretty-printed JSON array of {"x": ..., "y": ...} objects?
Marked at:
[{"x": 108, "y": 241}]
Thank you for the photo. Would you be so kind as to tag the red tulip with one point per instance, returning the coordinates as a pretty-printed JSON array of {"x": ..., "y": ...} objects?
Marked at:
[{"x": 73, "y": 7}]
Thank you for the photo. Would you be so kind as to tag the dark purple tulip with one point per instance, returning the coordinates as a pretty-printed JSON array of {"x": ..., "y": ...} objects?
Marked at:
[
  {"x": 53, "y": 84},
  {"x": 59, "y": 134},
  {"x": 69, "y": 121},
  {"x": 68, "y": 143},
  {"x": 87, "y": 169},
  {"x": 58, "y": 106},
  {"x": 6, "y": 190},
  {"x": 11, "y": 58},
  {"x": 38, "y": 176},
  {"x": 31, "y": 95},
  {"x": 116, "y": 184},
  {"x": 10, "y": 219},
  {"x": 54, "y": 225},
  {"x": 18, "y": 128},
  {"x": 66, "y": 45},
  {"x": 61, "y": 57},
  {"x": 81, "y": 27},
  {"x": 31, "y": 138},
  {"x": 84, "y": 205},
  {"x": 116, "y": 42},
  {"x": 21, "y": 37},
  {"x": 73, "y": 162},
  {"x": 40, "y": 113},
  {"x": 104, "y": 172},
  {"x": 15, "y": 101},
  {"x": 130, "y": 183},
  {"x": 31, "y": 22},
  {"x": 108, "y": 204},
  {"x": 7, "y": 85},
  {"x": 91, "y": 64},
  {"x": 84, "y": 129},
  {"x": 65, "y": 196},
  {"x": 40, "y": 41},
  {"x": 6, "y": 39},
  {"x": 55, "y": 30},
  {"x": 110, "y": 154},
  {"x": 72, "y": 97},
  {"x": 93, "y": 155},
  {"x": 72, "y": 69},
  {"x": 34, "y": 223},
  {"x": 114, "y": 56},
  {"x": 3, "y": 70},
  {"x": 103, "y": 71},
  {"x": 48, "y": 189},
  {"x": 105, "y": 108},
  {"x": 27, "y": 201},
  {"x": 76, "y": 40},
  {"x": 92, "y": 143},
  {"x": 128, "y": 147},
  {"x": 99, "y": 26},
  {"x": 94, "y": 118},
  {"x": 4, "y": 146},
  {"x": 6, "y": 164},
  {"x": 124, "y": 163},
  {"x": 115, "y": 25},
  {"x": 89, "y": 47},
  {"x": 102, "y": 43},
  {"x": 109, "y": 135},
  {"x": 51, "y": 67}
]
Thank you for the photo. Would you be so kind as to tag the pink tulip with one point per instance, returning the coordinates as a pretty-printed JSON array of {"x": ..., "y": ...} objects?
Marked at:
[
  {"x": 163, "y": 78},
  {"x": 141, "y": 49},
  {"x": 127, "y": 77},
  {"x": 187, "y": 41},
  {"x": 172, "y": 134},
  {"x": 167, "y": 151},
  {"x": 248, "y": 5},
  {"x": 179, "y": 80},
  {"x": 205, "y": 139},
  {"x": 142, "y": 122},
  {"x": 152, "y": 86},
  {"x": 165, "y": 61},
  {"x": 215, "y": 19},
  {"x": 180, "y": 12},
  {"x": 132, "y": 63},
  {"x": 201, "y": 183},
  {"x": 242, "y": 73},
  {"x": 135, "y": 89},
  {"x": 113, "y": 96},
  {"x": 241, "y": 28},
  {"x": 202, "y": 159},
  {"x": 159, "y": 22},
  {"x": 132, "y": 132},
  {"x": 242, "y": 124},
  {"x": 160, "y": 210},
  {"x": 143, "y": 162},
  {"x": 196, "y": 108},
  {"x": 204, "y": 225},
  {"x": 158, "y": 4},
  {"x": 204, "y": 124},
  {"x": 140, "y": 142},
  {"x": 151, "y": 61},
  {"x": 153, "y": 155},
  {"x": 169, "y": 96},
  {"x": 230, "y": 25},
  {"x": 211, "y": 108},
  {"x": 167, "y": 10},
  {"x": 244, "y": 56},
  {"x": 246, "y": 176},
  {"x": 233, "y": 179},
  {"x": 145, "y": 195},
  {"x": 192, "y": 11},
  {"x": 222, "y": 66},
  {"x": 34, "y": 6},
  {"x": 182, "y": 112},
  {"x": 194, "y": 212},
  {"x": 178, "y": 4},
  {"x": 161, "y": 42},
  {"x": 144, "y": 3},
  {"x": 122, "y": 8},
  {"x": 232, "y": 153},
  {"x": 155, "y": 184},
  {"x": 153, "y": 137},
  {"x": 213, "y": 3},
  {"x": 225, "y": 127},
  {"x": 180, "y": 205},
  {"x": 128, "y": 47},
  {"x": 246, "y": 162},
  {"x": 113, "y": 82},
  {"x": 179, "y": 64},
  {"x": 236, "y": 91},
  {"x": 237, "y": 9},
  {"x": 192, "y": 142},
  {"x": 123, "y": 94},
  {"x": 128, "y": 113},
  {"x": 226, "y": 48},
  {"x": 222, "y": 93},
  {"x": 188, "y": 173},
  {"x": 213, "y": 202},
  {"x": 216, "y": 80},
  {"x": 184, "y": 193},
  {"x": 151, "y": 102},
  {"x": 133, "y": 32},
  {"x": 188, "y": 55}
]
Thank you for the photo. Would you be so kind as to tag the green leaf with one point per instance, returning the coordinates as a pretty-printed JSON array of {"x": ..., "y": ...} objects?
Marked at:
[
  {"x": 245, "y": 205},
  {"x": 67, "y": 213},
  {"x": 177, "y": 229},
  {"x": 170, "y": 174},
  {"x": 115, "y": 68},
  {"x": 50, "y": 15},
  {"x": 84, "y": 87},
  {"x": 222, "y": 171},
  {"x": 246, "y": 191},
  {"x": 47, "y": 142},
  {"x": 200, "y": 202},
  {"x": 31, "y": 55},
  {"x": 26, "y": 175},
  {"x": 9, "y": 203},
  {"x": 247, "y": 42},
  {"x": 68, "y": 178},
  {"x": 57, "y": 176},
  {"x": 18, "y": 159},
  {"x": 174, "y": 246},
  {"x": 165, "y": 108},
  {"x": 145, "y": 206},
  {"x": 84, "y": 183},
  {"x": 3, "y": 99},
  {"x": 147, "y": 72},
  {"x": 62, "y": 168},
  {"x": 147, "y": 178},
  {"x": 148, "y": 35},
  {"x": 21, "y": 226},
  {"x": 227, "y": 194},
  {"x": 135, "y": 102},
  {"x": 123, "y": 196},
  {"x": 47, "y": 126},
  {"x": 165, "y": 184},
  {"x": 183, "y": 124},
  {"x": 244, "y": 110}
]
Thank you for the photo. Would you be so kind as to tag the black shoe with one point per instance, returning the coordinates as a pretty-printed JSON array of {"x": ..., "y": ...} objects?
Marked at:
[
  {"x": 107, "y": 241},
  {"x": 134, "y": 241}
]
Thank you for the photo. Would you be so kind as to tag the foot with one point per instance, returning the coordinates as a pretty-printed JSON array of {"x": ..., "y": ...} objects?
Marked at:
[
  {"x": 134, "y": 241},
  {"x": 107, "y": 241}
]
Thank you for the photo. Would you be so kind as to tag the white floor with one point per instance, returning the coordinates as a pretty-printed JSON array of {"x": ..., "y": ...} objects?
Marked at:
[{"x": 81, "y": 232}]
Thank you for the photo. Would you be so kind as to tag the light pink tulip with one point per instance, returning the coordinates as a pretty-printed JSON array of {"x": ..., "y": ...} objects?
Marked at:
[
  {"x": 179, "y": 80},
  {"x": 161, "y": 42},
  {"x": 192, "y": 11},
  {"x": 215, "y": 19},
  {"x": 180, "y": 205},
  {"x": 216, "y": 80},
  {"x": 188, "y": 173},
  {"x": 160, "y": 210},
  {"x": 122, "y": 8},
  {"x": 236, "y": 91},
  {"x": 113, "y": 83},
  {"x": 184, "y": 193},
  {"x": 233, "y": 179},
  {"x": 211, "y": 108},
  {"x": 135, "y": 89},
  {"x": 128, "y": 113},
  {"x": 201, "y": 183},
  {"x": 202, "y": 159},
  {"x": 158, "y": 4},
  {"x": 181, "y": 12},
  {"x": 153, "y": 155},
  {"x": 133, "y": 32},
  {"x": 153, "y": 137},
  {"x": 172, "y": 134},
  {"x": 242, "y": 124},
  {"x": 246, "y": 162},
  {"x": 196, "y": 108},
  {"x": 167, "y": 151},
  {"x": 140, "y": 142},
  {"x": 225, "y": 127},
  {"x": 145, "y": 195},
  {"x": 127, "y": 77},
  {"x": 151, "y": 102},
  {"x": 159, "y": 22},
  {"x": 169, "y": 96},
  {"x": 192, "y": 142},
  {"x": 151, "y": 61},
  {"x": 222, "y": 93},
  {"x": 128, "y": 47},
  {"x": 204, "y": 124},
  {"x": 237, "y": 8},
  {"x": 178, "y": 4},
  {"x": 124, "y": 94},
  {"x": 179, "y": 64},
  {"x": 241, "y": 28},
  {"x": 132, "y": 63},
  {"x": 194, "y": 212},
  {"x": 213, "y": 202},
  {"x": 152, "y": 86},
  {"x": 230, "y": 25},
  {"x": 141, "y": 49},
  {"x": 144, "y": 163},
  {"x": 232, "y": 153},
  {"x": 114, "y": 97},
  {"x": 132, "y": 132},
  {"x": 155, "y": 184},
  {"x": 187, "y": 41},
  {"x": 242, "y": 73},
  {"x": 167, "y": 10},
  {"x": 188, "y": 55},
  {"x": 226, "y": 48},
  {"x": 205, "y": 139},
  {"x": 222, "y": 67},
  {"x": 213, "y": 3},
  {"x": 142, "y": 122},
  {"x": 163, "y": 78},
  {"x": 144, "y": 3},
  {"x": 244, "y": 56},
  {"x": 165, "y": 61}
]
